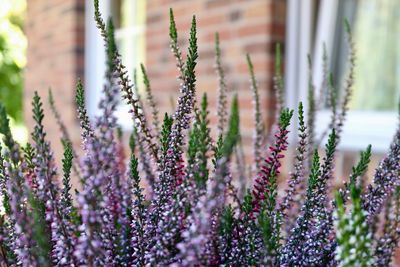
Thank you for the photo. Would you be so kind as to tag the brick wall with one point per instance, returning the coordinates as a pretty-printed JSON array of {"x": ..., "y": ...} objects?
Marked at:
[
  {"x": 251, "y": 26},
  {"x": 55, "y": 32}
]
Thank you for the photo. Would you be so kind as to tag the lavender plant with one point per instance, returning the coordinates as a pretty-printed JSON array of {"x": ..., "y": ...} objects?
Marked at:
[{"x": 190, "y": 213}]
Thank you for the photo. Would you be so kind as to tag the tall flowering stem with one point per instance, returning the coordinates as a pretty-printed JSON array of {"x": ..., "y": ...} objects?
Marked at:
[
  {"x": 182, "y": 115},
  {"x": 17, "y": 191},
  {"x": 222, "y": 90},
  {"x": 199, "y": 240},
  {"x": 338, "y": 117},
  {"x": 146, "y": 164},
  {"x": 29, "y": 172},
  {"x": 322, "y": 224},
  {"x": 241, "y": 169},
  {"x": 3, "y": 185},
  {"x": 323, "y": 90},
  {"x": 309, "y": 238},
  {"x": 278, "y": 81},
  {"x": 199, "y": 145},
  {"x": 138, "y": 214},
  {"x": 291, "y": 251},
  {"x": 299, "y": 168},
  {"x": 115, "y": 189},
  {"x": 356, "y": 181},
  {"x": 136, "y": 110},
  {"x": 353, "y": 234},
  {"x": 150, "y": 100},
  {"x": 87, "y": 132},
  {"x": 385, "y": 180},
  {"x": 173, "y": 35},
  {"x": 249, "y": 249},
  {"x": 356, "y": 175},
  {"x": 259, "y": 126},
  {"x": 265, "y": 191},
  {"x": 90, "y": 249},
  {"x": 48, "y": 191},
  {"x": 172, "y": 162},
  {"x": 347, "y": 90},
  {"x": 311, "y": 112},
  {"x": 333, "y": 97},
  {"x": 127, "y": 90},
  {"x": 63, "y": 129},
  {"x": 273, "y": 163},
  {"x": 386, "y": 245},
  {"x": 66, "y": 198}
]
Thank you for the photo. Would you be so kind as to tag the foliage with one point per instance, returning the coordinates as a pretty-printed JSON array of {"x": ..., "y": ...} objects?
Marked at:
[
  {"x": 353, "y": 236},
  {"x": 190, "y": 213},
  {"x": 12, "y": 56}
]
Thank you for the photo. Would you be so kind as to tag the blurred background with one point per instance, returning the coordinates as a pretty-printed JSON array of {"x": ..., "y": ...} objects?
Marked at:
[
  {"x": 13, "y": 62},
  {"x": 51, "y": 43}
]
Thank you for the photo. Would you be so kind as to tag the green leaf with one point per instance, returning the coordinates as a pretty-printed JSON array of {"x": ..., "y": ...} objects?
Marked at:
[
  {"x": 353, "y": 234},
  {"x": 3, "y": 181},
  {"x": 173, "y": 33},
  {"x": 232, "y": 135},
  {"x": 362, "y": 165},
  {"x": 192, "y": 56},
  {"x": 37, "y": 109},
  {"x": 29, "y": 154},
  {"x": 165, "y": 132},
  {"x": 227, "y": 221},
  {"x": 132, "y": 142},
  {"x": 278, "y": 59},
  {"x": 80, "y": 95},
  {"x": 285, "y": 117},
  {"x": 66, "y": 166},
  {"x": 315, "y": 172},
  {"x": 347, "y": 26},
  {"x": 199, "y": 143},
  {"x": 5, "y": 126},
  {"x": 331, "y": 145},
  {"x": 218, "y": 150},
  {"x": 39, "y": 231},
  {"x": 111, "y": 47}
]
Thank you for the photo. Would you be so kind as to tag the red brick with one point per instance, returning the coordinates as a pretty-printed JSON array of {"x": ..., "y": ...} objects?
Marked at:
[
  {"x": 55, "y": 30},
  {"x": 254, "y": 29},
  {"x": 55, "y": 35}
]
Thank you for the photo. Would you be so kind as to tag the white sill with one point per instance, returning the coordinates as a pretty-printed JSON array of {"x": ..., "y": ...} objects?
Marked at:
[{"x": 362, "y": 128}]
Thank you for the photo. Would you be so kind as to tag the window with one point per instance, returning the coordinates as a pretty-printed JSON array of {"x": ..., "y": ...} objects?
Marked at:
[
  {"x": 372, "y": 118},
  {"x": 129, "y": 19}
]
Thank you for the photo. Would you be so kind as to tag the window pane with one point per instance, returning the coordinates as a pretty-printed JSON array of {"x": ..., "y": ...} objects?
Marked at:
[
  {"x": 132, "y": 49},
  {"x": 377, "y": 37},
  {"x": 376, "y": 33},
  {"x": 129, "y": 18},
  {"x": 129, "y": 13}
]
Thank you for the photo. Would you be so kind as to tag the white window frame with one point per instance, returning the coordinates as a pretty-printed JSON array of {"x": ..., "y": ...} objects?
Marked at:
[
  {"x": 361, "y": 127},
  {"x": 95, "y": 61}
]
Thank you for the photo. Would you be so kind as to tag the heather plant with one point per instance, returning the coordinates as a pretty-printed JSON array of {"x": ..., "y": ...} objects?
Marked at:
[{"x": 180, "y": 198}]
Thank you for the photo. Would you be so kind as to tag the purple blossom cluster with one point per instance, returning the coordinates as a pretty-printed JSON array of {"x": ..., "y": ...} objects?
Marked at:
[{"x": 180, "y": 198}]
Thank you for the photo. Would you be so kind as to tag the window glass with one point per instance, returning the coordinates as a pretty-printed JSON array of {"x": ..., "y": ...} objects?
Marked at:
[
  {"x": 376, "y": 32},
  {"x": 377, "y": 37},
  {"x": 129, "y": 17}
]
